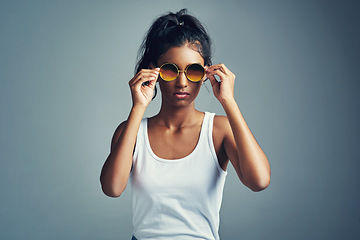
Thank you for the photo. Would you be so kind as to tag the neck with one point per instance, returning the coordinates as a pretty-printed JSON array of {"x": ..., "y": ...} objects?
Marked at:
[{"x": 177, "y": 117}]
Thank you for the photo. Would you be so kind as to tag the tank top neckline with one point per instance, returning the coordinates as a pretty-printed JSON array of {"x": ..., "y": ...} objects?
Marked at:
[{"x": 198, "y": 144}]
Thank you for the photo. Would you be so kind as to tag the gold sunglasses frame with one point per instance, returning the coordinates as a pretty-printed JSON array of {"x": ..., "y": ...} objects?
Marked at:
[{"x": 184, "y": 71}]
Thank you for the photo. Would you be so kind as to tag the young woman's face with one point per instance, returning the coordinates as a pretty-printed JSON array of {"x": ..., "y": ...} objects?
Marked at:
[{"x": 181, "y": 91}]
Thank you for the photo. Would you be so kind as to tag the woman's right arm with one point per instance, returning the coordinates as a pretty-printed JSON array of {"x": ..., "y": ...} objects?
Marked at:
[{"x": 116, "y": 170}]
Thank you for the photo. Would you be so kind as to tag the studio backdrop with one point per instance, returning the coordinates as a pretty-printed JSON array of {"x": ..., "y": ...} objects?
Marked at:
[{"x": 64, "y": 72}]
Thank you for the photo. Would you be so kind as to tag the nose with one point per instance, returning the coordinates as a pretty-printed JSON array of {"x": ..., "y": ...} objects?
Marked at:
[{"x": 181, "y": 80}]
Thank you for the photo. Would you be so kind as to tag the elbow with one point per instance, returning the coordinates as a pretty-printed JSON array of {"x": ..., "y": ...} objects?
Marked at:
[
  {"x": 262, "y": 181},
  {"x": 260, "y": 187},
  {"x": 112, "y": 190},
  {"x": 113, "y": 194},
  {"x": 260, "y": 184}
]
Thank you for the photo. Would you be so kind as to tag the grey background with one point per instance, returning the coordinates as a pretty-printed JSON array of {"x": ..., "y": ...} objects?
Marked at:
[{"x": 64, "y": 68}]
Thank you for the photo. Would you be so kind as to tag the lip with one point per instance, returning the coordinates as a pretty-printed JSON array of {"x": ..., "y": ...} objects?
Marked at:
[{"x": 181, "y": 95}]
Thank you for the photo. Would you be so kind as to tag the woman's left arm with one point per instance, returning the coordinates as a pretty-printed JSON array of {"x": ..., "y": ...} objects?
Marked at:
[{"x": 245, "y": 154}]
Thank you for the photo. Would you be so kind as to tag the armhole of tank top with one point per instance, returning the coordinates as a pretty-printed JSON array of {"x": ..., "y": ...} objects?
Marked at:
[
  {"x": 138, "y": 141},
  {"x": 211, "y": 143}
]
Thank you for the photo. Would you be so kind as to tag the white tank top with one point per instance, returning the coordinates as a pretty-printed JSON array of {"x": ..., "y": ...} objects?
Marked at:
[{"x": 181, "y": 198}]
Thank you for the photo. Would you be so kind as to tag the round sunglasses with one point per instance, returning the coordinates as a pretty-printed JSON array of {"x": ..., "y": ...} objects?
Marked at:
[{"x": 194, "y": 72}]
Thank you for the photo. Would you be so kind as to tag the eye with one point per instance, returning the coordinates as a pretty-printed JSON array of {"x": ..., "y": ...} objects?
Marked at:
[
  {"x": 195, "y": 72},
  {"x": 168, "y": 72}
]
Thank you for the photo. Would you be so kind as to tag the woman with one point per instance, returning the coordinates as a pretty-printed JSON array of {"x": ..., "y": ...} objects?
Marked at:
[{"x": 177, "y": 159}]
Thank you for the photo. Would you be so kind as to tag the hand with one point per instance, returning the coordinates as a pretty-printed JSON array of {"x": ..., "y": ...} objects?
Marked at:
[
  {"x": 223, "y": 89},
  {"x": 142, "y": 86}
]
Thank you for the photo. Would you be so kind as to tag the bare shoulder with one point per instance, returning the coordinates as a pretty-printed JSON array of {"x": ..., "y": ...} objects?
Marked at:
[
  {"x": 117, "y": 134},
  {"x": 221, "y": 124},
  {"x": 221, "y": 128}
]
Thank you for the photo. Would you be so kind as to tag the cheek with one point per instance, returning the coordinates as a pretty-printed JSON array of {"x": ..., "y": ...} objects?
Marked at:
[
  {"x": 165, "y": 86},
  {"x": 197, "y": 86}
]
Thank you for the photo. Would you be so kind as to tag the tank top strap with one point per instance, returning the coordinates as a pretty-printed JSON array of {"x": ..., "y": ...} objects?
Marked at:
[
  {"x": 140, "y": 137},
  {"x": 210, "y": 123},
  {"x": 203, "y": 138},
  {"x": 209, "y": 138}
]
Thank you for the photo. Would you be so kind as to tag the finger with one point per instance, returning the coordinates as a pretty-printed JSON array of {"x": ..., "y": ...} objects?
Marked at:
[
  {"x": 147, "y": 71},
  {"x": 215, "y": 67},
  {"x": 144, "y": 76},
  {"x": 213, "y": 80},
  {"x": 145, "y": 81},
  {"x": 139, "y": 79},
  {"x": 219, "y": 73},
  {"x": 150, "y": 84},
  {"x": 220, "y": 67},
  {"x": 150, "y": 81}
]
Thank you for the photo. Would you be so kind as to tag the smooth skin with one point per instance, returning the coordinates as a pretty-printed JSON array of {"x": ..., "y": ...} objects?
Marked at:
[{"x": 174, "y": 131}]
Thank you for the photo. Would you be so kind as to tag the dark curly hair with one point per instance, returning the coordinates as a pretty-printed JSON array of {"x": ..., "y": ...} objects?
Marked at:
[{"x": 173, "y": 30}]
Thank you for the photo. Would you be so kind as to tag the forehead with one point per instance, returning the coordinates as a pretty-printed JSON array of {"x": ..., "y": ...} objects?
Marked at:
[{"x": 181, "y": 56}]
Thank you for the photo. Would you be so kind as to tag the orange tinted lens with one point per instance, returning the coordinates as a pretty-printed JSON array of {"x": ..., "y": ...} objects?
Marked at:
[
  {"x": 195, "y": 72},
  {"x": 168, "y": 72}
]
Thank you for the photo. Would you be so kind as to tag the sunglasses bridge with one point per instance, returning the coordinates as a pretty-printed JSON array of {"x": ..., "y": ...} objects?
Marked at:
[{"x": 184, "y": 71}]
